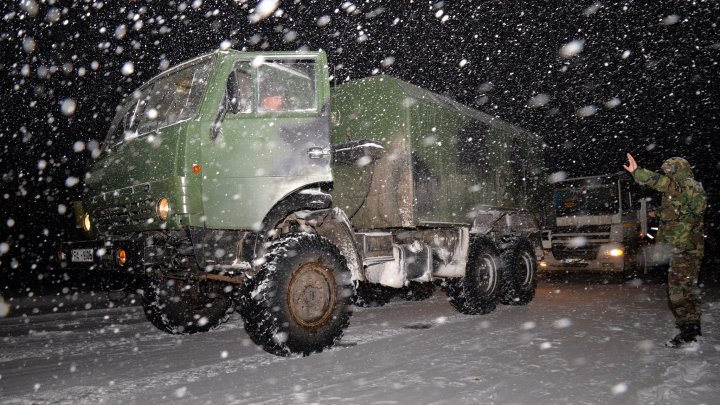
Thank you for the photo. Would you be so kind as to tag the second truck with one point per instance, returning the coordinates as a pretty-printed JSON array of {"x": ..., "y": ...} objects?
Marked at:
[
  {"x": 241, "y": 181},
  {"x": 600, "y": 224}
]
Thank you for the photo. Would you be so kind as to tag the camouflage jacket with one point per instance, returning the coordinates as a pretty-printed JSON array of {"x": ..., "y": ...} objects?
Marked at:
[{"x": 683, "y": 204}]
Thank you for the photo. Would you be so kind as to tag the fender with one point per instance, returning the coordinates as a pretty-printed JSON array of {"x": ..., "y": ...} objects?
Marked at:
[
  {"x": 499, "y": 222},
  {"x": 306, "y": 198},
  {"x": 334, "y": 224}
]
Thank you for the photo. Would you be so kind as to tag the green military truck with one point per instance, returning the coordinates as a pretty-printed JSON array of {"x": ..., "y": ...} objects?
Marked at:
[{"x": 242, "y": 181}]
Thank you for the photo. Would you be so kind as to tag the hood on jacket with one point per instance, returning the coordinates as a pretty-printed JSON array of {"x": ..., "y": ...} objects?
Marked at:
[{"x": 677, "y": 168}]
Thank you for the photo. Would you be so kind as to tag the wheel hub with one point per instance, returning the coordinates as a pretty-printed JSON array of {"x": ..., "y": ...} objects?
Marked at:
[
  {"x": 486, "y": 273},
  {"x": 311, "y": 295},
  {"x": 528, "y": 266}
]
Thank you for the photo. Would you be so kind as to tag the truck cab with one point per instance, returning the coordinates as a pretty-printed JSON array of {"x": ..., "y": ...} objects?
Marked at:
[
  {"x": 600, "y": 224},
  {"x": 199, "y": 149}
]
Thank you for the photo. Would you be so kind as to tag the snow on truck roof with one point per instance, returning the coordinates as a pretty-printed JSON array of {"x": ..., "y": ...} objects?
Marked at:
[{"x": 419, "y": 93}]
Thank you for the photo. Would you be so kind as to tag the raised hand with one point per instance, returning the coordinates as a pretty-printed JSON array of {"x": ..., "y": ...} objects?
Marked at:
[{"x": 632, "y": 164}]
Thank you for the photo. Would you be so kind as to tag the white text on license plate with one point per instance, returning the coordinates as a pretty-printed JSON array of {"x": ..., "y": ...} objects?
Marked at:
[{"x": 82, "y": 255}]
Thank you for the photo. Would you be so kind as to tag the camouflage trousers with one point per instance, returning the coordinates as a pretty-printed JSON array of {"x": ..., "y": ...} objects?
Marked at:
[{"x": 683, "y": 289}]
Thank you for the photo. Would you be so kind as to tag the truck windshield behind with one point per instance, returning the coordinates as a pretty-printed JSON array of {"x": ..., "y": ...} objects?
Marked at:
[
  {"x": 586, "y": 197},
  {"x": 165, "y": 101}
]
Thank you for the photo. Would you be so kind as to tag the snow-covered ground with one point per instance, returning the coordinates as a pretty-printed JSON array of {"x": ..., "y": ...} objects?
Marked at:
[{"x": 576, "y": 343}]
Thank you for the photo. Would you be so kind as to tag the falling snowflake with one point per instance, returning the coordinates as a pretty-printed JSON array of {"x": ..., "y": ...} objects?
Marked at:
[
  {"x": 586, "y": 111},
  {"x": 263, "y": 10},
  {"x": 68, "y": 107},
  {"x": 128, "y": 69},
  {"x": 572, "y": 48},
  {"x": 670, "y": 20},
  {"x": 538, "y": 100}
]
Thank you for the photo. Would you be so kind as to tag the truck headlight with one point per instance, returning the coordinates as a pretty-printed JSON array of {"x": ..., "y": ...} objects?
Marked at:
[
  {"x": 616, "y": 252},
  {"x": 163, "y": 208},
  {"x": 86, "y": 222}
]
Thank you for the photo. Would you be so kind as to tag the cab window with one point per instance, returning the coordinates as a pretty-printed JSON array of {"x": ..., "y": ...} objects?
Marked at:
[
  {"x": 173, "y": 98},
  {"x": 272, "y": 85},
  {"x": 240, "y": 89},
  {"x": 124, "y": 125},
  {"x": 627, "y": 196},
  {"x": 286, "y": 85}
]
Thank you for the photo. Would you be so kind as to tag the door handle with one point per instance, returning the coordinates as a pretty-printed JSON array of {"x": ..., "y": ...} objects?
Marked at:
[{"x": 317, "y": 152}]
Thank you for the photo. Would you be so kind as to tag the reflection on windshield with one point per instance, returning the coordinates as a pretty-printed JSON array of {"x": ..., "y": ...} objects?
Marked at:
[
  {"x": 165, "y": 101},
  {"x": 598, "y": 200}
]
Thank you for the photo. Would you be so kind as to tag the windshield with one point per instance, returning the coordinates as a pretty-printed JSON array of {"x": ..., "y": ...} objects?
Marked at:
[
  {"x": 586, "y": 199},
  {"x": 165, "y": 101}
]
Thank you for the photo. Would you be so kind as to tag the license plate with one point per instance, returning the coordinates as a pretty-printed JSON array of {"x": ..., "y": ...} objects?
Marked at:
[{"x": 82, "y": 255}]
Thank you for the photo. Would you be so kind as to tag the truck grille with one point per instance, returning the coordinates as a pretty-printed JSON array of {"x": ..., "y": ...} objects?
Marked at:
[
  {"x": 131, "y": 213},
  {"x": 593, "y": 234},
  {"x": 565, "y": 240},
  {"x": 582, "y": 229},
  {"x": 566, "y": 252}
]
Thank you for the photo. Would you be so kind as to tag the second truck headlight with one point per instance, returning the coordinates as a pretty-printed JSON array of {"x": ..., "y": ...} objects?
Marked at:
[{"x": 616, "y": 252}]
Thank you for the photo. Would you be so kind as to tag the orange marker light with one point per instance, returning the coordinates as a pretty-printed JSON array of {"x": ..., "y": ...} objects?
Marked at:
[
  {"x": 122, "y": 257},
  {"x": 196, "y": 168}
]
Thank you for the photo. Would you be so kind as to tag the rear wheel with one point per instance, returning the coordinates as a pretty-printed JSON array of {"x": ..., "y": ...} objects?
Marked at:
[
  {"x": 477, "y": 292},
  {"x": 299, "y": 300},
  {"x": 416, "y": 291},
  {"x": 183, "y": 307},
  {"x": 518, "y": 273},
  {"x": 371, "y": 295}
]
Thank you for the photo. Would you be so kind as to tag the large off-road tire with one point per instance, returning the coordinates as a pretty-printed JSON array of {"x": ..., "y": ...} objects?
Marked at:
[
  {"x": 298, "y": 303},
  {"x": 182, "y": 307},
  {"x": 118, "y": 286},
  {"x": 416, "y": 291},
  {"x": 371, "y": 295},
  {"x": 518, "y": 274},
  {"x": 477, "y": 292}
]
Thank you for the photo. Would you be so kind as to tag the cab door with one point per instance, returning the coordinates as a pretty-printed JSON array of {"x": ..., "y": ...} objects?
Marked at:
[{"x": 273, "y": 138}]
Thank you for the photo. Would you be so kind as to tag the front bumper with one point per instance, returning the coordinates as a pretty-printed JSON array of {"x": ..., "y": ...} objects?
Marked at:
[
  {"x": 587, "y": 258},
  {"x": 104, "y": 255},
  {"x": 550, "y": 264}
]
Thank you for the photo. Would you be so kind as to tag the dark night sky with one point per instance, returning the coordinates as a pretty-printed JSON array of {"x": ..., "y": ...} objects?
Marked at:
[{"x": 646, "y": 81}]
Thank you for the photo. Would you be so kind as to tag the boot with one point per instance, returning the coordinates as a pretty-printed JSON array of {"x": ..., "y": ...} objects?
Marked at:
[{"x": 688, "y": 334}]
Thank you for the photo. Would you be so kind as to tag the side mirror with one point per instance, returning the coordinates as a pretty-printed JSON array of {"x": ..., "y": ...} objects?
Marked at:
[
  {"x": 357, "y": 152},
  {"x": 229, "y": 102}
]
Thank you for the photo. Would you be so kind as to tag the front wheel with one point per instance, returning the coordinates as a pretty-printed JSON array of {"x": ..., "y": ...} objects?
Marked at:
[
  {"x": 477, "y": 292},
  {"x": 298, "y": 303},
  {"x": 182, "y": 307},
  {"x": 417, "y": 291},
  {"x": 371, "y": 295}
]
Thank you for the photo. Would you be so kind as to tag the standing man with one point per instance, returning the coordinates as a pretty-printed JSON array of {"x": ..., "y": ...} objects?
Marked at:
[{"x": 681, "y": 227}]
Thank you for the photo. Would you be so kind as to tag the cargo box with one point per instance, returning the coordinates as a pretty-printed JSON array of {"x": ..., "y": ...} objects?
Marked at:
[{"x": 405, "y": 157}]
